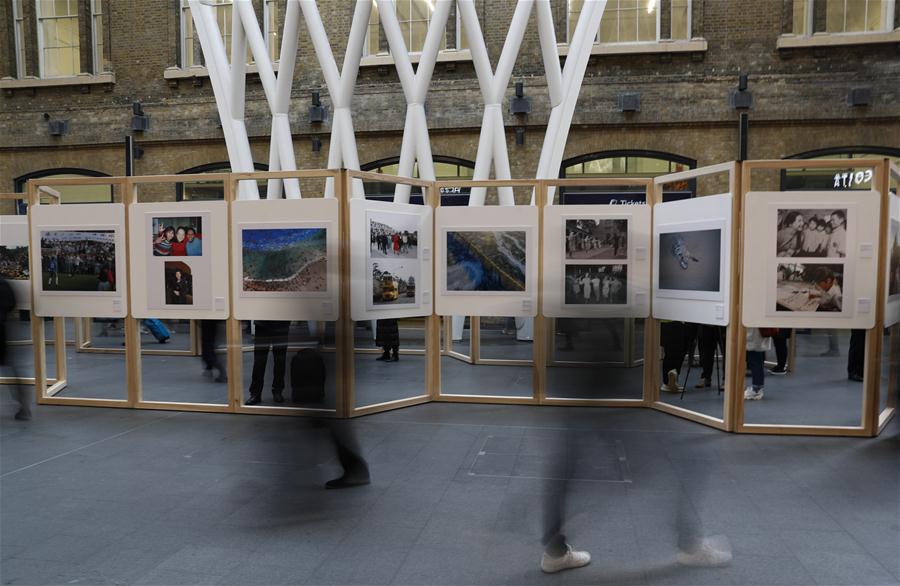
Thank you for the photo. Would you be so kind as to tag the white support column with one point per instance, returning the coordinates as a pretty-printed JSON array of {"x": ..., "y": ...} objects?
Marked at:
[
  {"x": 492, "y": 142},
  {"x": 342, "y": 149},
  {"x": 416, "y": 144},
  {"x": 225, "y": 90},
  {"x": 561, "y": 113}
]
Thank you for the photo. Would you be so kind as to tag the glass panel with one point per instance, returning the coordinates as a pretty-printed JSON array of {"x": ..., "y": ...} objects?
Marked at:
[
  {"x": 647, "y": 21},
  {"x": 418, "y": 28},
  {"x": 506, "y": 338},
  {"x": 462, "y": 334},
  {"x": 680, "y": 13},
  {"x": 875, "y": 15},
  {"x": 295, "y": 358},
  {"x": 817, "y": 389},
  {"x": 695, "y": 353},
  {"x": 596, "y": 359},
  {"x": 609, "y": 23},
  {"x": 834, "y": 16},
  {"x": 575, "y": 7},
  {"x": 855, "y": 16},
  {"x": 92, "y": 370},
  {"x": 461, "y": 377},
  {"x": 394, "y": 367},
  {"x": 373, "y": 41},
  {"x": 646, "y": 165},
  {"x": 800, "y": 18}
]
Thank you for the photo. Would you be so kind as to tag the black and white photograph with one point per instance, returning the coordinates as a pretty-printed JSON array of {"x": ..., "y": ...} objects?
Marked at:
[
  {"x": 596, "y": 239},
  {"x": 179, "y": 283},
  {"x": 394, "y": 282},
  {"x": 393, "y": 235},
  {"x": 812, "y": 233},
  {"x": 78, "y": 260},
  {"x": 809, "y": 287},
  {"x": 690, "y": 260},
  {"x": 596, "y": 284}
]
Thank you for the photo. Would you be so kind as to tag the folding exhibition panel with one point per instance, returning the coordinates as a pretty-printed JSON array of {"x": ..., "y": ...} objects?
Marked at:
[
  {"x": 486, "y": 261},
  {"x": 179, "y": 260},
  {"x": 604, "y": 249},
  {"x": 892, "y": 295},
  {"x": 79, "y": 260},
  {"x": 798, "y": 277},
  {"x": 692, "y": 260},
  {"x": 285, "y": 259},
  {"x": 390, "y": 260},
  {"x": 14, "y": 258}
]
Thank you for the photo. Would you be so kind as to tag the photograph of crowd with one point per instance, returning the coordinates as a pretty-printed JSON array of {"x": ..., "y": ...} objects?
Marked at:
[
  {"x": 393, "y": 235},
  {"x": 14, "y": 262},
  {"x": 812, "y": 233},
  {"x": 486, "y": 260},
  {"x": 78, "y": 260},
  {"x": 894, "y": 260},
  {"x": 177, "y": 236},
  {"x": 809, "y": 287},
  {"x": 179, "y": 283},
  {"x": 690, "y": 260},
  {"x": 596, "y": 239},
  {"x": 596, "y": 284},
  {"x": 286, "y": 260},
  {"x": 394, "y": 282}
]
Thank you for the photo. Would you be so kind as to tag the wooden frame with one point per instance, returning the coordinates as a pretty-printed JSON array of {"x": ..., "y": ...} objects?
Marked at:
[
  {"x": 870, "y": 418},
  {"x": 653, "y": 348}
]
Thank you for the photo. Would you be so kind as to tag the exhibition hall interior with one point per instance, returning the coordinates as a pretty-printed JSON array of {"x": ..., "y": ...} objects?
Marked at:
[{"x": 449, "y": 292}]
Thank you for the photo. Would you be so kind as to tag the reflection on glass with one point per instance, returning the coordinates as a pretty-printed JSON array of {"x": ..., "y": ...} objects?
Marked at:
[
  {"x": 693, "y": 367},
  {"x": 96, "y": 375},
  {"x": 460, "y": 377},
  {"x": 396, "y": 368},
  {"x": 506, "y": 338}
]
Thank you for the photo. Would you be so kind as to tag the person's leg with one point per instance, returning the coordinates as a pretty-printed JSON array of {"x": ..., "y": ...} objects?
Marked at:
[
  {"x": 279, "y": 355},
  {"x": 208, "y": 343},
  {"x": 781, "y": 350},
  {"x": 757, "y": 372},
  {"x": 558, "y": 554},
  {"x": 833, "y": 348},
  {"x": 395, "y": 353},
  {"x": 355, "y": 467},
  {"x": 257, "y": 379},
  {"x": 706, "y": 341},
  {"x": 856, "y": 356}
]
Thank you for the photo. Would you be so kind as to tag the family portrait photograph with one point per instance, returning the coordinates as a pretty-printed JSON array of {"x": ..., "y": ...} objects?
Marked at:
[
  {"x": 285, "y": 260},
  {"x": 78, "y": 260},
  {"x": 393, "y": 235},
  {"x": 179, "y": 283},
  {"x": 486, "y": 260},
  {"x": 14, "y": 262},
  {"x": 596, "y": 284},
  {"x": 815, "y": 232},
  {"x": 177, "y": 236},
  {"x": 596, "y": 239},
  {"x": 809, "y": 287},
  {"x": 394, "y": 282},
  {"x": 690, "y": 260}
]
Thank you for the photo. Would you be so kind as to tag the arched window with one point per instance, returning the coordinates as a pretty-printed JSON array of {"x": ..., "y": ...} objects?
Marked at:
[
  {"x": 826, "y": 179},
  {"x": 211, "y": 190},
  {"x": 618, "y": 164},
  {"x": 69, "y": 194},
  {"x": 445, "y": 168}
]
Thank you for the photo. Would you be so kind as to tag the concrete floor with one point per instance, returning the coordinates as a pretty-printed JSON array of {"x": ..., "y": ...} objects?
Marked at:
[{"x": 107, "y": 496}]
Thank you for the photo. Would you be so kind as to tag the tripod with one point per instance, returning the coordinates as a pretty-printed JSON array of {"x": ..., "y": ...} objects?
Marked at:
[{"x": 717, "y": 343}]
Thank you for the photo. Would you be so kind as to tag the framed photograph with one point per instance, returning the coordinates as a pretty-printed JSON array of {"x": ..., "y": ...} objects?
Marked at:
[
  {"x": 811, "y": 232},
  {"x": 690, "y": 259},
  {"x": 393, "y": 234},
  {"x": 78, "y": 262},
  {"x": 485, "y": 261},
  {"x": 596, "y": 284},
  {"x": 177, "y": 236},
  {"x": 185, "y": 283},
  {"x": 179, "y": 283},
  {"x": 393, "y": 283},
  {"x": 596, "y": 239},
  {"x": 810, "y": 287},
  {"x": 287, "y": 260},
  {"x": 14, "y": 263},
  {"x": 894, "y": 261}
]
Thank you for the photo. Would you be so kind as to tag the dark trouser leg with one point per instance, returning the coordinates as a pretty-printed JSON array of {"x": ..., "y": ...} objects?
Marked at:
[
  {"x": 672, "y": 340},
  {"x": 279, "y": 352},
  {"x": 706, "y": 340},
  {"x": 856, "y": 356},
  {"x": 553, "y": 539},
  {"x": 347, "y": 447},
  {"x": 781, "y": 347},
  {"x": 755, "y": 362},
  {"x": 208, "y": 330},
  {"x": 260, "y": 356}
]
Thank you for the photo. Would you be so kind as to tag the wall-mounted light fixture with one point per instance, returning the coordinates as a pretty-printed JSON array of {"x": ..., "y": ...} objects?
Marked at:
[
  {"x": 317, "y": 113},
  {"x": 741, "y": 98},
  {"x": 139, "y": 121},
  {"x": 56, "y": 127},
  {"x": 520, "y": 135},
  {"x": 859, "y": 96},
  {"x": 316, "y": 144},
  {"x": 629, "y": 102},
  {"x": 520, "y": 105}
]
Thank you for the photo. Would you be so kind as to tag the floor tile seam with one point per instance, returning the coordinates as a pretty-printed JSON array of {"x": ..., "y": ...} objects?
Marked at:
[{"x": 91, "y": 444}]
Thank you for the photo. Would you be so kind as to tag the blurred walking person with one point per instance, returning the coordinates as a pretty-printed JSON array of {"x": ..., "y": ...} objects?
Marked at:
[{"x": 19, "y": 392}]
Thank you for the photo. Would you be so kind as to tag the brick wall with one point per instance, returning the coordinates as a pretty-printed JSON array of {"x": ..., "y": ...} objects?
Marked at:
[{"x": 799, "y": 96}]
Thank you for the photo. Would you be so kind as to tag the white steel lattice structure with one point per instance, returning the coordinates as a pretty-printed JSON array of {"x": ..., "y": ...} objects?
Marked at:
[{"x": 229, "y": 82}]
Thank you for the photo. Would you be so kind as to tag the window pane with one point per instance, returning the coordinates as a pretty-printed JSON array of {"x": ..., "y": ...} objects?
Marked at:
[
  {"x": 680, "y": 10},
  {"x": 647, "y": 21},
  {"x": 646, "y": 165},
  {"x": 374, "y": 41},
  {"x": 421, "y": 10},
  {"x": 834, "y": 16},
  {"x": 800, "y": 18},
  {"x": 855, "y": 16},
  {"x": 404, "y": 10},
  {"x": 874, "y": 15},
  {"x": 575, "y": 7},
  {"x": 609, "y": 24},
  {"x": 419, "y": 29}
]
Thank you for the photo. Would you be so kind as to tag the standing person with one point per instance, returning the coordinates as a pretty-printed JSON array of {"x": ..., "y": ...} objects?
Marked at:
[
  {"x": 179, "y": 246},
  {"x": 19, "y": 392},
  {"x": 789, "y": 237},
  {"x": 53, "y": 271},
  {"x": 105, "y": 279},
  {"x": 162, "y": 245},
  {"x": 387, "y": 336},
  {"x": 194, "y": 245},
  {"x": 779, "y": 340},
  {"x": 595, "y": 286},
  {"x": 395, "y": 239},
  {"x": 270, "y": 335},
  {"x": 856, "y": 356},
  {"x": 757, "y": 346},
  {"x": 404, "y": 243},
  {"x": 180, "y": 289},
  {"x": 209, "y": 333},
  {"x": 837, "y": 242},
  {"x": 586, "y": 286}
]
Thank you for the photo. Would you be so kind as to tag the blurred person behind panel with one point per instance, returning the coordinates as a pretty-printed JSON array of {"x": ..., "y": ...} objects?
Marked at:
[{"x": 18, "y": 391}]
